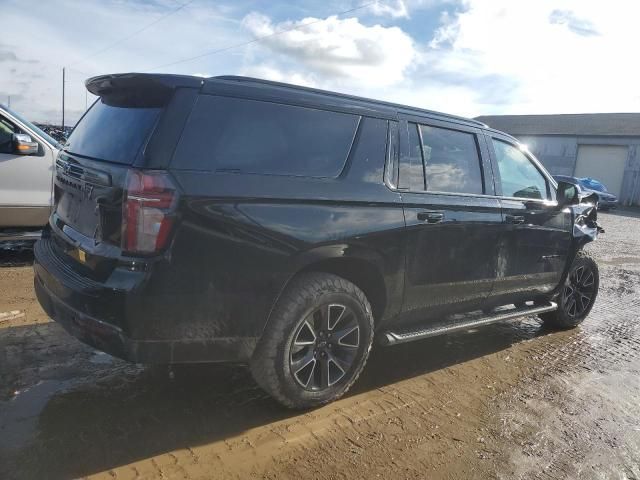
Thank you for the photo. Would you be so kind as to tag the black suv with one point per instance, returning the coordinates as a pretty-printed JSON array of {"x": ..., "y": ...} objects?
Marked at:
[{"x": 238, "y": 220}]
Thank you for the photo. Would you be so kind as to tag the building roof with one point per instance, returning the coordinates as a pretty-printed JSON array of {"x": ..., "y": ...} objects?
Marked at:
[{"x": 605, "y": 124}]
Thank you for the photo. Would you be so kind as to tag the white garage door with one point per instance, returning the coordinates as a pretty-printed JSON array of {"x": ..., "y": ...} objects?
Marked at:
[{"x": 604, "y": 163}]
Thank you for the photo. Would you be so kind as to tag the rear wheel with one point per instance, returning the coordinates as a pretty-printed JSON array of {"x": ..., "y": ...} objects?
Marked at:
[
  {"x": 578, "y": 294},
  {"x": 317, "y": 342}
]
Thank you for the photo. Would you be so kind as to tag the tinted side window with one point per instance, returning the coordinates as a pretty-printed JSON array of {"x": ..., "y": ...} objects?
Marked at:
[
  {"x": 249, "y": 136},
  {"x": 452, "y": 161},
  {"x": 518, "y": 176},
  {"x": 7, "y": 129},
  {"x": 412, "y": 165},
  {"x": 368, "y": 153}
]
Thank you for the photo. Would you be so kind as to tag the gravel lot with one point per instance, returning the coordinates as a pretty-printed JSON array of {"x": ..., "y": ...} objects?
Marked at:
[{"x": 508, "y": 401}]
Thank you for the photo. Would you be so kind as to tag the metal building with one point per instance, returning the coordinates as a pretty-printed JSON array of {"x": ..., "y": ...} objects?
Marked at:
[{"x": 604, "y": 146}]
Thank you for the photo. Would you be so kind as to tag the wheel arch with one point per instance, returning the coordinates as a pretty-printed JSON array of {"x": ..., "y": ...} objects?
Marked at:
[
  {"x": 585, "y": 229},
  {"x": 362, "y": 274},
  {"x": 362, "y": 267}
]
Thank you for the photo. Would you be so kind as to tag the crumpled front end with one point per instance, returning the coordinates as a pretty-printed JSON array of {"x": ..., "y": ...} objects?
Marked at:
[{"x": 585, "y": 223}]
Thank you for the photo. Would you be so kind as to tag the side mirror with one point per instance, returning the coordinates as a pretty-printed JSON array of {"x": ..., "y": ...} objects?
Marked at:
[
  {"x": 567, "y": 194},
  {"x": 23, "y": 144}
]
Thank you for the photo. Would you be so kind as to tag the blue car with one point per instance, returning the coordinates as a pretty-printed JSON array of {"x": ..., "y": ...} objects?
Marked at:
[{"x": 606, "y": 200}]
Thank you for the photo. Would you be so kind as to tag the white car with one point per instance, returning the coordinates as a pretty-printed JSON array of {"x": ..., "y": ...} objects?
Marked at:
[{"x": 27, "y": 166}]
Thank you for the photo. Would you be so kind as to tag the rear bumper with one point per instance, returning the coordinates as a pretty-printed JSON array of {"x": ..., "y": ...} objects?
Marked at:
[
  {"x": 60, "y": 297},
  {"x": 89, "y": 330}
]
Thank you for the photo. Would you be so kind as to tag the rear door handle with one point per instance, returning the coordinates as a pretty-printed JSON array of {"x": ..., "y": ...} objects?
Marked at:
[
  {"x": 431, "y": 217},
  {"x": 515, "y": 219}
]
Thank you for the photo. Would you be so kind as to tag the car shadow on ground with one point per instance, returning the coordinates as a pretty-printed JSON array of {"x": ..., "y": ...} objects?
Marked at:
[
  {"x": 94, "y": 416},
  {"x": 16, "y": 258}
]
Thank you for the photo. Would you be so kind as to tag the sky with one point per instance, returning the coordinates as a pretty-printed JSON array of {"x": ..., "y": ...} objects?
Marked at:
[{"x": 466, "y": 57}]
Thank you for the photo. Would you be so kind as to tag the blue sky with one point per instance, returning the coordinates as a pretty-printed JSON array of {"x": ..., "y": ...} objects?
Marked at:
[{"x": 467, "y": 57}]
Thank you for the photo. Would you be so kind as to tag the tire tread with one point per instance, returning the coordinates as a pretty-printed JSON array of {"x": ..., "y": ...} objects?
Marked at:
[{"x": 302, "y": 289}]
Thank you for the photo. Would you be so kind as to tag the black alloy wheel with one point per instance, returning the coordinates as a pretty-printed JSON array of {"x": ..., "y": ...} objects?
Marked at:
[
  {"x": 578, "y": 294},
  {"x": 324, "y": 347},
  {"x": 316, "y": 343},
  {"x": 579, "y": 291}
]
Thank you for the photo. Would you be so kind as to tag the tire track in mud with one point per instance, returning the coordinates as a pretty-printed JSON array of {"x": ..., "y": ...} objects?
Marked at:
[
  {"x": 567, "y": 414},
  {"x": 410, "y": 427},
  {"x": 506, "y": 401},
  {"x": 577, "y": 414}
]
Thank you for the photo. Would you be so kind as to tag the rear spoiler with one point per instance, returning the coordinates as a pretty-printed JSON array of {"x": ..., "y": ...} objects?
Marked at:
[{"x": 139, "y": 89}]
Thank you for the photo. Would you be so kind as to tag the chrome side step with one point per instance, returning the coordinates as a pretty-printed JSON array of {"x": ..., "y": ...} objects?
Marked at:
[{"x": 393, "y": 338}]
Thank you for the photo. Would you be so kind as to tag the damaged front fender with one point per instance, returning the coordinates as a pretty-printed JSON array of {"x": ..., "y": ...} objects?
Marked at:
[
  {"x": 585, "y": 229},
  {"x": 585, "y": 220}
]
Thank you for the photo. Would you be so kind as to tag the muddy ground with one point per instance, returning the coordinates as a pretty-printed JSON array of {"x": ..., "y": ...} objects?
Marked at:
[{"x": 507, "y": 401}]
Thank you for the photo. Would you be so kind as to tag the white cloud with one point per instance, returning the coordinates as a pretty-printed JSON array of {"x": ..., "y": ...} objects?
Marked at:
[
  {"x": 66, "y": 32},
  {"x": 487, "y": 56},
  {"x": 496, "y": 56},
  {"x": 344, "y": 49},
  {"x": 563, "y": 56},
  {"x": 270, "y": 72},
  {"x": 397, "y": 9},
  {"x": 402, "y": 8}
]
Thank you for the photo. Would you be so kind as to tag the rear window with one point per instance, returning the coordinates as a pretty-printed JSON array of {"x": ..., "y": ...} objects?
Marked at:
[
  {"x": 112, "y": 133},
  {"x": 249, "y": 136}
]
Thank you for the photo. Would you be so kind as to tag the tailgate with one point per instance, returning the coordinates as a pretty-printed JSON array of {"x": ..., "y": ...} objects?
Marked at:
[{"x": 88, "y": 195}]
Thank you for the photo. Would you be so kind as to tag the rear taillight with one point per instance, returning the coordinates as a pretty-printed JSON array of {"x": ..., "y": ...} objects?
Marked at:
[{"x": 148, "y": 211}]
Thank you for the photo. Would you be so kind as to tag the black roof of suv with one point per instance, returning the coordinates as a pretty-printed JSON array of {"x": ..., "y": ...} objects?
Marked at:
[{"x": 285, "y": 91}]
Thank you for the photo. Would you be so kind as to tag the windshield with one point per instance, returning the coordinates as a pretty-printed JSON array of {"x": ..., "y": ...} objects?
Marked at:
[
  {"x": 30, "y": 125},
  {"x": 592, "y": 184},
  {"x": 112, "y": 133}
]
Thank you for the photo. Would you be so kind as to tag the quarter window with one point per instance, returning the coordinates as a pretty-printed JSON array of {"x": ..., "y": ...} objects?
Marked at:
[
  {"x": 249, "y": 136},
  {"x": 519, "y": 177}
]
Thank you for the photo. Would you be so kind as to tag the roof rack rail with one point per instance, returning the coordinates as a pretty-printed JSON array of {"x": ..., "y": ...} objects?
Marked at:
[{"x": 242, "y": 79}]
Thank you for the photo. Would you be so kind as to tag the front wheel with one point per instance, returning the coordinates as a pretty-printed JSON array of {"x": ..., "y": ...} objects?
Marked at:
[
  {"x": 317, "y": 341},
  {"x": 578, "y": 294}
]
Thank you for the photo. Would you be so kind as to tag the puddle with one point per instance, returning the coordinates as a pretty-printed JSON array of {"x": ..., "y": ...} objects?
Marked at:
[
  {"x": 101, "y": 358},
  {"x": 19, "y": 415},
  {"x": 509, "y": 400}
]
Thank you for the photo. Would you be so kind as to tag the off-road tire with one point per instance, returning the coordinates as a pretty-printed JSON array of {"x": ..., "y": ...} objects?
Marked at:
[
  {"x": 271, "y": 366},
  {"x": 561, "y": 319}
]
